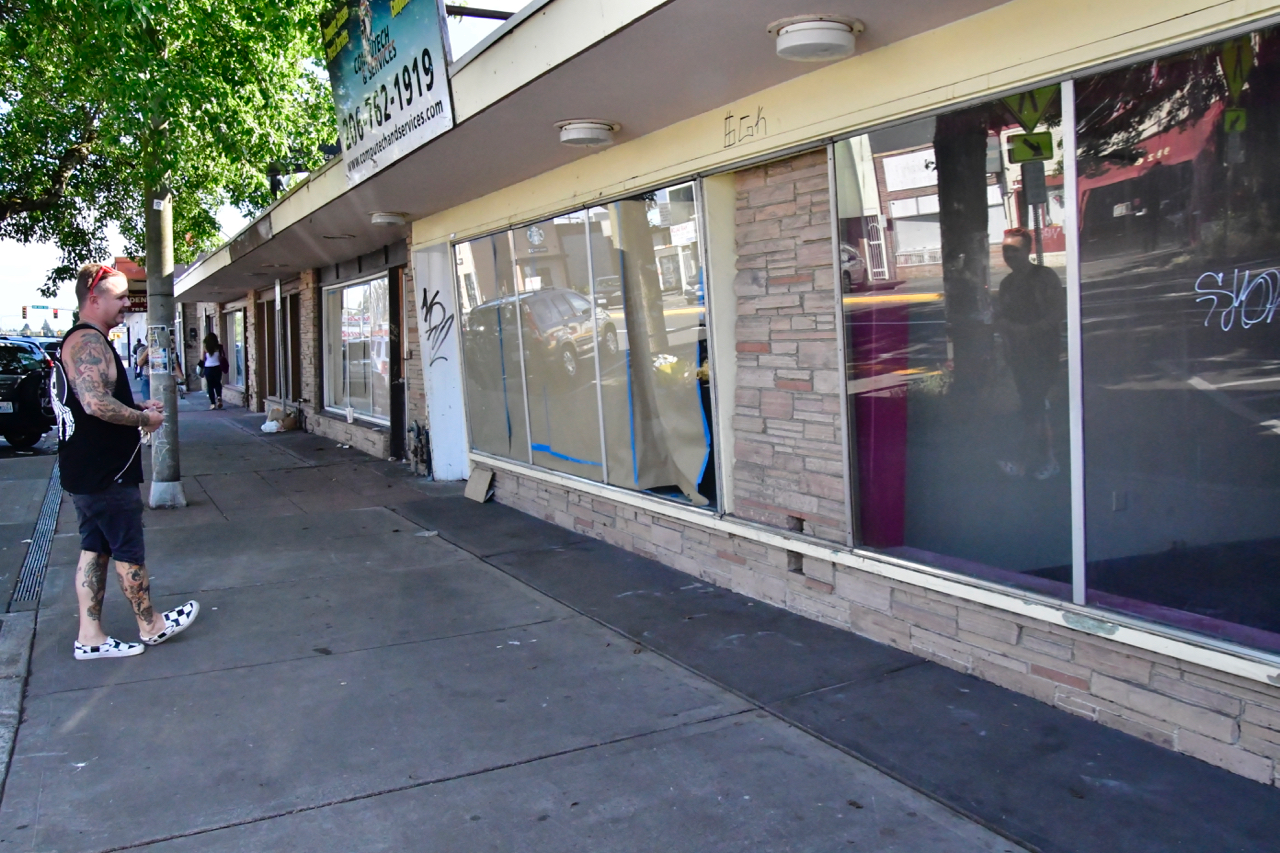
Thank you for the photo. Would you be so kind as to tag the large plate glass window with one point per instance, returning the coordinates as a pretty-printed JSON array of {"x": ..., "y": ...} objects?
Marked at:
[
  {"x": 648, "y": 276},
  {"x": 611, "y": 319},
  {"x": 491, "y": 347},
  {"x": 233, "y": 340},
  {"x": 1179, "y": 199},
  {"x": 357, "y": 332},
  {"x": 952, "y": 270},
  {"x": 562, "y": 330}
]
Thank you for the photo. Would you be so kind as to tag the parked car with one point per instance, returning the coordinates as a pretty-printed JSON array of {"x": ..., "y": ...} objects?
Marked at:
[
  {"x": 51, "y": 346},
  {"x": 26, "y": 412},
  {"x": 853, "y": 269},
  {"x": 558, "y": 329},
  {"x": 609, "y": 288}
]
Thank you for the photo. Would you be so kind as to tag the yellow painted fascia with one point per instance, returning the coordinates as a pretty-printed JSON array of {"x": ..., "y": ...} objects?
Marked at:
[
  {"x": 321, "y": 187},
  {"x": 551, "y": 36},
  {"x": 1008, "y": 47}
]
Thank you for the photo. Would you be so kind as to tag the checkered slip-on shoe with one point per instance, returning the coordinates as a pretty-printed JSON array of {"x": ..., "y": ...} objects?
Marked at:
[
  {"x": 176, "y": 621},
  {"x": 112, "y": 648}
]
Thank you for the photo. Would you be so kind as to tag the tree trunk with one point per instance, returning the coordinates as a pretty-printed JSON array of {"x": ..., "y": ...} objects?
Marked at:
[
  {"x": 166, "y": 477},
  {"x": 960, "y": 146}
]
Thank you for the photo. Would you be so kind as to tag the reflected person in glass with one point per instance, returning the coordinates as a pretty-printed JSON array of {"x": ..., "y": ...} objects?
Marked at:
[{"x": 1029, "y": 310}]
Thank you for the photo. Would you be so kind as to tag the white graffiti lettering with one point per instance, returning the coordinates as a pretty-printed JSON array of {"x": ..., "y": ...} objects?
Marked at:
[{"x": 1250, "y": 298}]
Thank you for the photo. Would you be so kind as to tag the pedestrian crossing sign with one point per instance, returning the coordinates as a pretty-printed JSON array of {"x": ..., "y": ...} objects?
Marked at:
[
  {"x": 1030, "y": 147},
  {"x": 1030, "y": 106},
  {"x": 1237, "y": 62},
  {"x": 1233, "y": 120}
]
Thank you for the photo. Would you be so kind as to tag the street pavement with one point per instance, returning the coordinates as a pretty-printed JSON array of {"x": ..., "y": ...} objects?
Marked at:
[{"x": 507, "y": 685}]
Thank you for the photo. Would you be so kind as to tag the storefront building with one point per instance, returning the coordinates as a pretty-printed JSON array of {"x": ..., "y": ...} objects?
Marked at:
[{"x": 964, "y": 344}]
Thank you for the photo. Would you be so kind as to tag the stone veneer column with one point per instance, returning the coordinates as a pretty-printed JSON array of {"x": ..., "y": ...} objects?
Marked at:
[
  {"x": 789, "y": 466},
  {"x": 312, "y": 396},
  {"x": 415, "y": 383},
  {"x": 253, "y": 398}
]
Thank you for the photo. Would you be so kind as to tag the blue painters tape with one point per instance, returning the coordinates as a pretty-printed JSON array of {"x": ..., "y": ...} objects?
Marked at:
[{"x": 546, "y": 448}]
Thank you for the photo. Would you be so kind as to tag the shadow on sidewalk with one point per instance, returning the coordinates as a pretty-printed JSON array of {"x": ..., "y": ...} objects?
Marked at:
[{"x": 508, "y": 684}]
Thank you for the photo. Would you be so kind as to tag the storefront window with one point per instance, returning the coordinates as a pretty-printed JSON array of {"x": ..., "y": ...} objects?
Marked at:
[
  {"x": 1179, "y": 198},
  {"x": 233, "y": 342},
  {"x": 562, "y": 330},
  {"x": 610, "y": 307},
  {"x": 357, "y": 321},
  {"x": 646, "y": 266},
  {"x": 952, "y": 272},
  {"x": 491, "y": 349}
]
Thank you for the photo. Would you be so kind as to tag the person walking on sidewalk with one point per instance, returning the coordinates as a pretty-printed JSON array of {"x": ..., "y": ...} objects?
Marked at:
[
  {"x": 215, "y": 364},
  {"x": 142, "y": 369},
  {"x": 137, "y": 346},
  {"x": 99, "y": 456}
]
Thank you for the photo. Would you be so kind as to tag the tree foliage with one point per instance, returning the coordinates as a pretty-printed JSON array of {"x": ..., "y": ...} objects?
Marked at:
[{"x": 104, "y": 100}]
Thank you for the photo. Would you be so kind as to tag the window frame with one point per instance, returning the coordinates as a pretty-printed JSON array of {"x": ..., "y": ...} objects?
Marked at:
[
  {"x": 327, "y": 367},
  {"x": 1074, "y": 334},
  {"x": 718, "y": 454},
  {"x": 229, "y": 342}
]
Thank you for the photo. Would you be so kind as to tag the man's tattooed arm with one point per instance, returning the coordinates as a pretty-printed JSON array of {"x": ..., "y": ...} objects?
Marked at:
[{"x": 88, "y": 361}]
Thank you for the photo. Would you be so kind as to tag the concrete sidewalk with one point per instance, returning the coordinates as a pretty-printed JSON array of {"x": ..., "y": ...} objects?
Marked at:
[
  {"x": 507, "y": 685},
  {"x": 353, "y": 686}
]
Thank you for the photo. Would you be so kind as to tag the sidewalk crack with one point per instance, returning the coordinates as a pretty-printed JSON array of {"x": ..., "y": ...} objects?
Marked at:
[{"x": 429, "y": 782}]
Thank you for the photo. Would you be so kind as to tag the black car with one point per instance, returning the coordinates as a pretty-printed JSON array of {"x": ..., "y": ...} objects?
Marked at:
[
  {"x": 26, "y": 412},
  {"x": 557, "y": 328},
  {"x": 51, "y": 346}
]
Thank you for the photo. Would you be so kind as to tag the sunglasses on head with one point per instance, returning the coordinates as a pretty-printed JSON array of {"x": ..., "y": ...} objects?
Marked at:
[{"x": 103, "y": 271}]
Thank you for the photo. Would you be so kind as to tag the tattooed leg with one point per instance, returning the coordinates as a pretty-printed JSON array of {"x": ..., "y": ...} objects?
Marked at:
[
  {"x": 137, "y": 588},
  {"x": 91, "y": 580}
]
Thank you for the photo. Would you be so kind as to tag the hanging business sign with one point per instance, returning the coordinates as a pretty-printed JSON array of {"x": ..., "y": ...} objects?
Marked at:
[{"x": 387, "y": 68}]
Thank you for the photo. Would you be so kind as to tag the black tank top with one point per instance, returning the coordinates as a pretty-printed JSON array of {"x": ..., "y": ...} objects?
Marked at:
[{"x": 93, "y": 454}]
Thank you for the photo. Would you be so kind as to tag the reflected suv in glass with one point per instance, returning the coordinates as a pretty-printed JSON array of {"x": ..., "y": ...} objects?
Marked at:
[{"x": 557, "y": 328}]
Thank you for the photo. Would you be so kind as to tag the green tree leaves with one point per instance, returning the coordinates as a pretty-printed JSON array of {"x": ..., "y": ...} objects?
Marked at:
[{"x": 101, "y": 99}]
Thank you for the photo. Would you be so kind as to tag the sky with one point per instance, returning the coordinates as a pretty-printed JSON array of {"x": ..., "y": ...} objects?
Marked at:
[
  {"x": 23, "y": 267},
  {"x": 467, "y": 32}
]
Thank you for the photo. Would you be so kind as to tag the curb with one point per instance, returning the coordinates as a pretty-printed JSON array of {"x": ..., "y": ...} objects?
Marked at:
[{"x": 17, "y": 630}]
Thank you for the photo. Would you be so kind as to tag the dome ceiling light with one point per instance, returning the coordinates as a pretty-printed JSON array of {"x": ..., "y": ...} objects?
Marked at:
[
  {"x": 388, "y": 218},
  {"x": 587, "y": 132},
  {"x": 816, "y": 38}
]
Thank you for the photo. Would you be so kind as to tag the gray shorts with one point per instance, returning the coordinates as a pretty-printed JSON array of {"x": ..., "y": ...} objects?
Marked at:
[{"x": 111, "y": 523}]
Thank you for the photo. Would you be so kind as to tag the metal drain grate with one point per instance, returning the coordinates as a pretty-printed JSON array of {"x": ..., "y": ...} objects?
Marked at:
[{"x": 33, "y": 568}]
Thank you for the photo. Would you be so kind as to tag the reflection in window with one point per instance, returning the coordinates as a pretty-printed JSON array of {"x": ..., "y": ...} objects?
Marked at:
[
  {"x": 1179, "y": 197},
  {"x": 952, "y": 265},
  {"x": 357, "y": 323},
  {"x": 491, "y": 349},
  {"x": 561, "y": 333},
  {"x": 233, "y": 338},
  {"x": 646, "y": 264},
  {"x": 610, "y": 315},
  {"x": 237, "y": 339}
]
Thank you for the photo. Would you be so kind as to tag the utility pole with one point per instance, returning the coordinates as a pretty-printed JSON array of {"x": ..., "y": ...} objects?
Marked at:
[{"x": 166, "y": 476}]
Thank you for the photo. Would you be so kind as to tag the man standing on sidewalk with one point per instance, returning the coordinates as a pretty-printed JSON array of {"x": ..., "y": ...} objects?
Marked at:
[{"x": 99, "y": 443}]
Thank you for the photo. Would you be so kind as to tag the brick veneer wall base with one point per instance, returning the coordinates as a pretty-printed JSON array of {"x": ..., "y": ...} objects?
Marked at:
[
  {"x": 1226, "y": 720},
  {"x": 376, "y": 441}
]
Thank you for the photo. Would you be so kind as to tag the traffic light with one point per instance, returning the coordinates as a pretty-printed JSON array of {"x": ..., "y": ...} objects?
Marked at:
[
  {"x": 55, "y": 313},
  {"x": 24, "y": 312}
]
